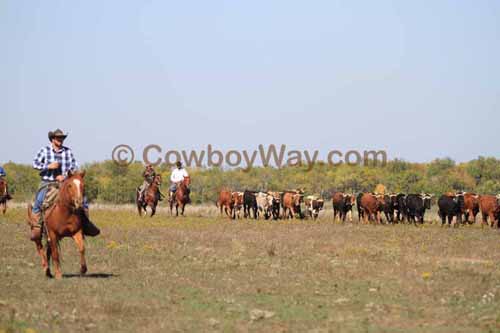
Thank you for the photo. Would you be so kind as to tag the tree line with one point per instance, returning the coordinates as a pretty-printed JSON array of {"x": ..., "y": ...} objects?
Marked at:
[{"x": 108, "y": 182}]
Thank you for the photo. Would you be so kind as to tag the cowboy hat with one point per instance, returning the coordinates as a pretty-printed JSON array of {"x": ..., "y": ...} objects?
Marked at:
[{"x": 57, "y": 133}]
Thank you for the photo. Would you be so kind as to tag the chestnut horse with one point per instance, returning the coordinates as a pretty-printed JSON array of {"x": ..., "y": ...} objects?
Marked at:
[
  {"x": 4, "y": 195},
  {"x": 181, "y": 197},
  {"x": 150, "y": 198},
  {"x": 64, "y": 219}
]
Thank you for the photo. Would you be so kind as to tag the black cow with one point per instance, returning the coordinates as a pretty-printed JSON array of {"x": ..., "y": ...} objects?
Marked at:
[
  {"x": 416, "y": 204},
  {"x": 389, "y": 206},
  {"x": 450, "y": 207},
  {"x": 249, "y": 203},
  {"x": 400, "y": 207},
  {"x": 275, "y": 210},
  {"x": 361, "y": 212}
]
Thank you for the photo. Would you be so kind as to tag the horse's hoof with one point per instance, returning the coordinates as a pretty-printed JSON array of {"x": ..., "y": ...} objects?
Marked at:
[
  {"x": 58, "y": 276},
  {"x": 83, "y": 270},
  {"x": 48, "y": 274}
]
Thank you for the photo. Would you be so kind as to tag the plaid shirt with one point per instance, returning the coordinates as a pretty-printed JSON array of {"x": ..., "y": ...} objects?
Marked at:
[{"x": 47, "y": 155}]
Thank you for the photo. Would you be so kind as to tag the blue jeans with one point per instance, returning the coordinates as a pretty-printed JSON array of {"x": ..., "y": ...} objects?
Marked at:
[
  {"x": 173, "y": 187},
  {"x": 40, "y": 195}
]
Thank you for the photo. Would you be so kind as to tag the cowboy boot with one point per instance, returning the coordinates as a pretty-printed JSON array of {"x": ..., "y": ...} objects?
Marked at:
[
  {"x": 36, "y": 226},
  {"x": 89, "y": 228}
]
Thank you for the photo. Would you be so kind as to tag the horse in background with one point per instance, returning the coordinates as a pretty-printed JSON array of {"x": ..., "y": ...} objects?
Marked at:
[
  {"x": 151, "y": 197},
  {"x": 181, "y": 197}
]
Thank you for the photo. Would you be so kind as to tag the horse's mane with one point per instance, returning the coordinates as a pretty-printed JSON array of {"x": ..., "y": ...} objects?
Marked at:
[{"x": 63, "y": 197}]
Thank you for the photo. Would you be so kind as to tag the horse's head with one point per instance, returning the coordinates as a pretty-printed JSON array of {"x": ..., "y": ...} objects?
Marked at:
[
  {"x": 186, "y": 181},
  {"x": 157, "y": 180},
  {"x": 72, "y": 189}
]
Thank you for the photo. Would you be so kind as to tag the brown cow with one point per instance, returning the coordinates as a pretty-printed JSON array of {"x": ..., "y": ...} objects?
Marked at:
[
  {"x": 237, "y": 203},
  {"x": 489, "y": 209},
  {"x": 225, "y": 201},
  {"x": 290, "y": 202},
  {"x": 371, "y": 203},
  {"x": 342, "y": 205},
  {"x": 471, "y": 206}
]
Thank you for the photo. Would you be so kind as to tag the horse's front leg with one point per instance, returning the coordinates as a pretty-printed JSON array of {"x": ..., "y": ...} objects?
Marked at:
[
  {"x": 177, "y": 209},
  {"x": 153, "y": 210},
  {"x": 182, "y": 210},
  {"x": 55, "y": 255},
  {"x": 78, "y": 238}
]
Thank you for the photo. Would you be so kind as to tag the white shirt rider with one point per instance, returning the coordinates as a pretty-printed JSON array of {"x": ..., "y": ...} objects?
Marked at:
[{"x": 178, "y": 175}]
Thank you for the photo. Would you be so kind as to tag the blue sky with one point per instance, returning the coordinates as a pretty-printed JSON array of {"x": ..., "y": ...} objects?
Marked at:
[{"x": 420, "y": 79}]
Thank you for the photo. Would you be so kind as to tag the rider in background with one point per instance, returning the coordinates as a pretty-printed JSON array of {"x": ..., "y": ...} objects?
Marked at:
[
  {"x": 177, "y": 176},
  {"x": 2, "y": 172},
  {"x": 149, "y": 175}
]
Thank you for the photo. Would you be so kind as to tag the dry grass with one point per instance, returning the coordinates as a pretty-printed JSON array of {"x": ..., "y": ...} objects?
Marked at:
[{"x": 212, "y": 274}]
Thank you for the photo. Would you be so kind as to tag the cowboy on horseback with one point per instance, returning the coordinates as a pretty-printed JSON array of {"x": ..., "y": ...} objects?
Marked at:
[
  {"x": 178, "y": 175},
  {"x": 149, "y": 176},
  {"x": 5, "y": 195},
  {"x": 54, "y": 162}
]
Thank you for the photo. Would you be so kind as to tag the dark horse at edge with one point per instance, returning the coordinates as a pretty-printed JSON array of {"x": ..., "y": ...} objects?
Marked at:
[{"x": 4, "y": 195}]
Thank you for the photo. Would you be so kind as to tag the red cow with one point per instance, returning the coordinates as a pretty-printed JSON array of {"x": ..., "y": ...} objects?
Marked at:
[
  {"x": 489, "y": 209},
  {"x": 371, "y": 203},
  {"x": 471, "y": 206},
  {"x": 225, "y": 202},
  {"x": 290, "y": 202}
]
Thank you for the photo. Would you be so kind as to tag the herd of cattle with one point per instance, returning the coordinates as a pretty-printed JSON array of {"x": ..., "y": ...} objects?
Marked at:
[{"x": 454, "y": 208}]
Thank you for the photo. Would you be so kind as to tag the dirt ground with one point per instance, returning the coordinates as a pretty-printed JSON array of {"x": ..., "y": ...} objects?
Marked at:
[{"x": 212, "y": 274}]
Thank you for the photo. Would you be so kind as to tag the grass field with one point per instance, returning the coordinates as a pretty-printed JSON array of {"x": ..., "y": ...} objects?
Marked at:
[{"x": 212, "y": 274}]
